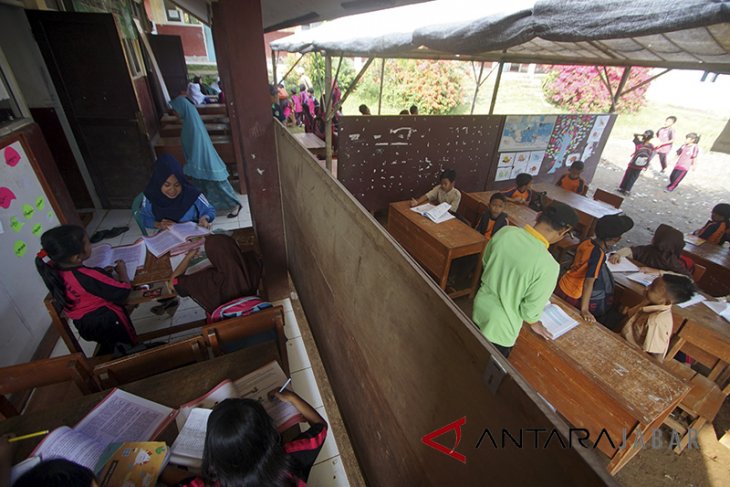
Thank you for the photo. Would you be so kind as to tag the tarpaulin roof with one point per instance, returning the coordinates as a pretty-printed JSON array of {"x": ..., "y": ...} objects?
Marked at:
[{"x": 693, "y": 34}]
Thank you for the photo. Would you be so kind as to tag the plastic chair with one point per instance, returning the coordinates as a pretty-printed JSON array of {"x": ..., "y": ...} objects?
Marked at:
[{"x": 136, "y": 207}]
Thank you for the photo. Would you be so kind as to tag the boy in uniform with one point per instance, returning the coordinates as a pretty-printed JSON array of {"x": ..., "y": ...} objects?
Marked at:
[
  {"x": 571, "y": 181},
  {"x": 522, "y": 192},
  {"x": 445, "y": 192},
  {"x": 494, "y": 218}
]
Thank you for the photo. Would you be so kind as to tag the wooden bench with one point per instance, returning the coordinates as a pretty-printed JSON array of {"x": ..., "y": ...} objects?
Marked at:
[
  {"x": 212, "y": 109},
  {"x": 174, "y": 129},
  {"x": 173, "y": 146},
  {"x": 212, "y": 118}
]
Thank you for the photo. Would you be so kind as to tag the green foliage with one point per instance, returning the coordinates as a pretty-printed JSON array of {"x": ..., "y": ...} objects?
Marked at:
[{"x": 313, "y": 65}]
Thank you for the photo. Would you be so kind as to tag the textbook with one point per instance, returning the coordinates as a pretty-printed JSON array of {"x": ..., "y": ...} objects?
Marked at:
[
  {"x": 624, "y": 265},
  {"x": 694, "y": 239},
  {"x": 557, "y": 321},
  {"x": 642, "y": 278},
  {"x": 175, "y": 238},
  {"x": 133, "y": 464},
  {"x": 719, "y": 307},
  {"x": 120, "y": 417},
  {"x": 192, "y": 418},
  {"x": 104, "y": 255},
  {"x": 437, "y": 214}
]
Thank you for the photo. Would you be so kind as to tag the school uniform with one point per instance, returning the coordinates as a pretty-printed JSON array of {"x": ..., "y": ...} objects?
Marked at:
[
  {"x": 515, "y": 193},
  {"x": 633, "y": 171},
  {"x": 589, "y": 263},
  {"x": 713, "y": 231},
  {"x": 664, "y": 134},
  {"x": 437, "y": 196},
  {"x": 650, "y": 327},
  {"x": 199, "y": 209},
  {"x": 95, "y": 302},
  {"x": 489, "y": 226},
  {"x": 688, "y": 154},
  {"x": 576, "y": 185}
]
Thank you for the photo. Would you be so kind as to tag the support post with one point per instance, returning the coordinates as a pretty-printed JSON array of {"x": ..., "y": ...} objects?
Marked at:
[
  {"x": 328, "y": 117},
  {"x": 648, "y": 80},
  {"x": 240, "y": 24},
  {"x": 273, "y": 68},
  {"x": 352, "y": 86},
  {"x": 478, "y": 81},
  {"x": 619, "y": 90},
  {"x": 496, "y": 87},
  {"x": 301, "y": 56},
  {"x": 382, "y": 77}
]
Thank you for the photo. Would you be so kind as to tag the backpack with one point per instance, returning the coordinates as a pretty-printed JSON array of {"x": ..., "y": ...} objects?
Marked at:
[
  {"x": 537, "y": 202},
  {"x": 238, "y": 307},
  {"x": 641, "y": 157}
]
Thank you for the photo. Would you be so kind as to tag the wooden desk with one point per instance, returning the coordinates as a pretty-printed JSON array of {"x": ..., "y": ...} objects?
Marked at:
[
  {"x": 597, "y": 380},
  {"x": 716, "y": 259},
  {"x": 474, "y": 204},
  {"x": 589, "y": 210},
  {"x": 311, "y": 142},
  {"x": 170, "y": 388},
  {"x": 436, "y": 245}
]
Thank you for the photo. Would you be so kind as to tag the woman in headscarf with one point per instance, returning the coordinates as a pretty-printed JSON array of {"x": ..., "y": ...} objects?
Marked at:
[
  {"x": 169, "y": 198},
  {"x": 664, "y": 253},
  {"x": 233, "y": 274},
  {"x": 203, "y": 165}
]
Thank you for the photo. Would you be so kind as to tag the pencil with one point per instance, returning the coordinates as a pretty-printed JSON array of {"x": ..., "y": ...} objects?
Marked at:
[
  {"x": 30, "y": 435},
  {"x": 284, "y": 386}
]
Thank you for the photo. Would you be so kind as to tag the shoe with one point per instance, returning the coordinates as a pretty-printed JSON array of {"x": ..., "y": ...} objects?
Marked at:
[
  {"x": 104, "y": 234},
  {"x": 169, "y": 306},
  {"x": 235, "y": 213}
]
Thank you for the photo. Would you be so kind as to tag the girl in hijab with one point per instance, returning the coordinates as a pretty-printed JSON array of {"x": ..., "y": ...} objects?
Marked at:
[
  {"x": 233, "y": 274},
  {"x": 664, "y": 253},
  {"x": 169, "y": 198},
  {"x": 202, "y": 163}
]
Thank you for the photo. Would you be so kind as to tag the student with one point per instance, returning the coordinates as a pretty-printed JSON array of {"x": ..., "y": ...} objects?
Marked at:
[
  {"x": 571, "y": 181},
  {"x": 650, "y": 323},
  {"x": 404, "y": 112},
  {"x": 364, "y": 110},
  {"x": 242, "y": 447},
  {"x": 522, "y": 192},
  {"x": 664, "y": 253},
  {"x": 194, "y": 93},
  {"x": 519, "y": 277},
  {"x": 298, "y": 106},
  {"x": 643, "y": 152},
  {"x": 92, "y": 298},
  {"x": 311, "y": 102},
  {"x": 276, "y": 110},
  {"x": 169, "y": 198},
  {"x": 57, "y": 472},
  {"x": 445, "y": 192},
  {"x": 686, "y": 160},
  {"x": 413, "y": 110},
  {"x": 718, "y": 224},
  {"x": 665, "y": 136},
  {"x": 588, "y": 284},
  {"x": 232, "y": 274},
  {"x": 494, "y": 218}
]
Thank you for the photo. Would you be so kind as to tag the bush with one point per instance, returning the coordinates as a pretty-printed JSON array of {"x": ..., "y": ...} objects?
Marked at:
[
  {"x": 433, "y": 86},
  {"x": 313, "y": 65},
  {"x": 579, "y": 89}
]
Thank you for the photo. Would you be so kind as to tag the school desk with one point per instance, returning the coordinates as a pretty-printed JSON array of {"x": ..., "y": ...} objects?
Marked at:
[
  {"x": 170, "y": 389},
  {"x": 474, "y": 204},
  {"x": 716, "y": 259},
  {"x": 598, "y": 381},
  {"x": 310, "y": 141},
  {"x": 589, "y": 210},
  {"x": 436, "y": 245}
]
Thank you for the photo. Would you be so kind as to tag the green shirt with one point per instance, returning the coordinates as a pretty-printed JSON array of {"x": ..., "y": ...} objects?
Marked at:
[{"x": 519, "y": 277}]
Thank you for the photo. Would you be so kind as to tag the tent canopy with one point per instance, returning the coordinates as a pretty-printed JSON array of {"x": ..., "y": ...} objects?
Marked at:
[{"x": 662, "y": 33}]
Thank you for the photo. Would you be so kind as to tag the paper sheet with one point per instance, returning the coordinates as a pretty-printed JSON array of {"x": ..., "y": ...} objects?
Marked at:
[
  {"x": 719, "y": 307},
  {"x": 71, "y": 445},
  {"x": 696, "y": 298},
  {"x": 624, "y": 265},
  {"x": 190, "y": 442},
  {"x": 257, "y": 385},
  {"x": 642, "y": 278}
]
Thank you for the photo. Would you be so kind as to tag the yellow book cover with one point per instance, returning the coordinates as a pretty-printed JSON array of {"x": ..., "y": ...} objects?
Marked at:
[{"x": 132, "y": 464}]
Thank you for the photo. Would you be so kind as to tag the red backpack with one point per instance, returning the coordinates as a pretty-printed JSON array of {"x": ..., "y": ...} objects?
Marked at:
[{"x": 238, "y": 307}]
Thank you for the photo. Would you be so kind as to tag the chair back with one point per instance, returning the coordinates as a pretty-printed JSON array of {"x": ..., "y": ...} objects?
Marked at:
[
  {"x": 698, "y": 272},
  {"x": 38, "y": 373},
  {"x": 151, "y": 362},
  {"x": 60, "y": 323},
  {"x": 610, "y": 198},
  {"x": 136, "y": 206}
]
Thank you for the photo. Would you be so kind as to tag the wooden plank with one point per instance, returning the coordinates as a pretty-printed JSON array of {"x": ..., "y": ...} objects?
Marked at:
[
  {"x": 212, "y": 108},
  {"x": 716, "y": 259},
  {"x": 477, "y": 203},
  {"x": 419, "y": 360},
  {"x": 174, "y": 129}
]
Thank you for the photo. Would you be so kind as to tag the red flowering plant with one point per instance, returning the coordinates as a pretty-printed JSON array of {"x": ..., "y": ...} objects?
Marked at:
[
  {"x": 433, "y": 86},
  {"x": 579, "y": 89}
]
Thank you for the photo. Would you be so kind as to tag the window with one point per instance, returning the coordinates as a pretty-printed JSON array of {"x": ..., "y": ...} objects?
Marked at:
[{"x": 12, "y": 108}]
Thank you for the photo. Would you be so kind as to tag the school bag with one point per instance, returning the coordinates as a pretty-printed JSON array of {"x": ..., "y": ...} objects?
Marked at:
[
  {"x": 237, "y": 308},
  {"x": 641, "y": 157}
]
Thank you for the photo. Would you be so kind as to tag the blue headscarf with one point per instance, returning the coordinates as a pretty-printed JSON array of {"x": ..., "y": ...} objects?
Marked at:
[
  {"x": 201, "y": 159},
  {"x": 162, "y": 206}
]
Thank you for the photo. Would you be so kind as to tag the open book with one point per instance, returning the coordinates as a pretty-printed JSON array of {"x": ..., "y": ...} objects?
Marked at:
[
  {"x": 193, "y": 416},
  {"x": 642, "y": 278},
  {"x": 693, "y": 239},
  {"x": 719, "y": 307},
  {"x": 135, "y": 464},
  {"x": 696, "y": 298},
  {"x": 105, "y": 255},
  {"x": 624, "y": 265},
  {"x": 119, "y": 418},
  {"x": 557, "y": 321},
  {"x": 175, "y": 238},
  {"x": 197, "y": 263},
  {"x": 437, "y": 214}
]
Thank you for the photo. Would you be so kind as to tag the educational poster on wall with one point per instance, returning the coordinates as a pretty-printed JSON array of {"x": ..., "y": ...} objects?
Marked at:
[
  {"x": 511, "y": 164},
  {"x": 526, "y": 132},
  {"x": 570, "y": 133},
  {"x": 594, "y": 138}
]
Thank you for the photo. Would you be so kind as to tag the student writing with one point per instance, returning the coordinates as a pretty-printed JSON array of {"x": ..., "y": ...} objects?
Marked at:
[
  {"x": 445, "y": 192},
  {"x": 91, "y": 297},
  {"x": 664, "y": 253}
]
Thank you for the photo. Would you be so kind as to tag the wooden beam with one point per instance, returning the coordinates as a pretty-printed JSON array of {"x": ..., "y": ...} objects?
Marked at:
[
  {"x": 290, "y": 70},
  {"x": 380, "y": 92},
  {"x": 273, "y": 67},
  {"x": 496, "y": 88},
  {"x": 328, "y": 105},
  {"x": 648, "y": 80}
]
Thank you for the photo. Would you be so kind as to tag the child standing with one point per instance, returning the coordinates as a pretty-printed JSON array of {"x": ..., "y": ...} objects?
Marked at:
[
  {"x": 588, "y": 284},
  {"x": 717, "y": 226},
  {"x": 643, "y": 152},
  {"x": 92, "y": 298},
  {"x": 522, "y": 192},
  {"x": 298, "y": 106},
  {"x": 571, "y": 181},
  {"x": 686, "y": 160},
  {"x": 494, "y": 218},
  {"x": 650, "y": 323},
  {"x": 665, "y": 136},
  {"x": 445, "y": 192}
]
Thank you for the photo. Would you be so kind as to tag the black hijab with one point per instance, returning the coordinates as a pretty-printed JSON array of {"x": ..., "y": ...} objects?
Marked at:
[{"x": 162, "y": 206}]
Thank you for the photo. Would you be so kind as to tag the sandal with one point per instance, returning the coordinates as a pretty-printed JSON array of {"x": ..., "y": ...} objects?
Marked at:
[
  {"x": 235, "y": 214},
  {"x": 104, "y": 234}
]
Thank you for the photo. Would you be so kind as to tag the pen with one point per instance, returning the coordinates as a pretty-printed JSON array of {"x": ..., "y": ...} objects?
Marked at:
[
  {"x": 288, "y": 381},
  {"x": 25, "y": 437}
]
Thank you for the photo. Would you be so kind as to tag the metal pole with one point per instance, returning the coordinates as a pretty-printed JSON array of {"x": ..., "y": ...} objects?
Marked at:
[
  {"x": 273, "y": 67},
  {"x": 380, "y": 93},
  {"x": 328, "y": 114},
  {"x": 476, "y": 88},
  {"x": 496, "y": 88},
  {"x": 619, "y": 90}
]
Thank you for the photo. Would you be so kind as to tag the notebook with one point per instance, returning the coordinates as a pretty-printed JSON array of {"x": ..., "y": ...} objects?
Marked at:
[
  {"x": 132, "y": 464},
  {"x": 437, "y": 214},
  {"x": 175, "y": 238},
  {"x": 624, "y": 265},
  {"x": 104, "y": 255},
  {"x": 720, "y": 307},
  {"x": 556, "y": 321},
  {"x": 696, "y": 298},
  {"x": 642, "y": 278}
]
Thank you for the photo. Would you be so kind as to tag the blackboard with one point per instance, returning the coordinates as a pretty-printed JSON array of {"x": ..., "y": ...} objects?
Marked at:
[{"x": 393, "y": 158}]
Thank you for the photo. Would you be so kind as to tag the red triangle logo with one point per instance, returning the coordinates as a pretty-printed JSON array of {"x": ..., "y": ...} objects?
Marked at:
[{"x": 456, "y": 426}]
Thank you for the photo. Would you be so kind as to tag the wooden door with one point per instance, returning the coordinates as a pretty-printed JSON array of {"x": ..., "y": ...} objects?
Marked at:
[
  {"x": 170, "y": 57},
  {"x": 83, "y": 53}
]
